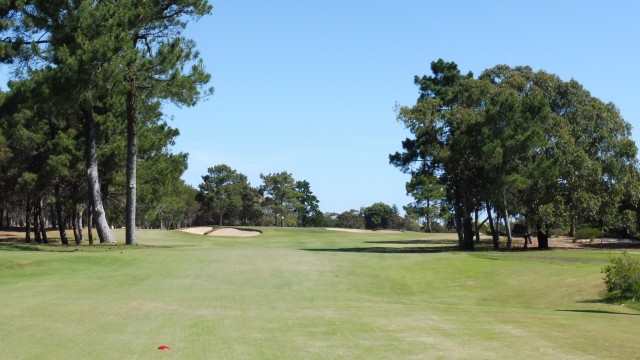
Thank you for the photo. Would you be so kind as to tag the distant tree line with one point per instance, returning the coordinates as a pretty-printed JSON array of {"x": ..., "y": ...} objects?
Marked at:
[
  {"x": 378, "y": 216},
  {"x": 226, "y": 198},
  {"x": 517, "y": 144}
]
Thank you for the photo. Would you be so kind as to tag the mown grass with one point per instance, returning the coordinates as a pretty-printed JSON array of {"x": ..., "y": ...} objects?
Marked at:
[{"x": 307, "y": 294}]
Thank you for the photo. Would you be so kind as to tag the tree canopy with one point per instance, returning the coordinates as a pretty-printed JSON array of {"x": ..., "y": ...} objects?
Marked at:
[
  {"x": 90, "y": 72},
  {"x": 521, "y": 143}
]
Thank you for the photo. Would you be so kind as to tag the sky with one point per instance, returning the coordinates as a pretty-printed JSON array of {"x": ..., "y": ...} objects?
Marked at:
[{"x": 309, "y": 87}]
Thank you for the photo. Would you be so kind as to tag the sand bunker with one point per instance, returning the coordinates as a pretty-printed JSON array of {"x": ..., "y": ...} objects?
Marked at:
[
  {"x": 366, "y": 231},
  {"x": 197, "y": 230},
  {"x": 234, "y": 232},
  {"x": 221, "y": 232}
]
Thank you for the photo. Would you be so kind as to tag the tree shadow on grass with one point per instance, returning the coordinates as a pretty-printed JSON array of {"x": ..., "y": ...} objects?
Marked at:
[
  {"x": 598, "y": 312},
  {"x": 53, "y": 247},
  {"x": 7, "y": 246},
  {"x": 415, "y": 242},
  {"x": 392, "y": 249},
  {"x": 623, "y": 245},
  {"x": 399, "y": 247}
]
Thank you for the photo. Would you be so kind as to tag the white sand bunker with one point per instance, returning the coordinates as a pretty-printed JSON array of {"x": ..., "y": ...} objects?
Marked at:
[
  {"x": 366, "y": 231},
  {"x": 234, "y": 232},
  {"x": 197, "y": 230},
  {"x": 202, "y": 230}
]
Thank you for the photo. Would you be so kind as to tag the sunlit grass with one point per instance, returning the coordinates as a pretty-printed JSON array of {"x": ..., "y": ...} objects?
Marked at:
[{"x": 306, "y": 294}]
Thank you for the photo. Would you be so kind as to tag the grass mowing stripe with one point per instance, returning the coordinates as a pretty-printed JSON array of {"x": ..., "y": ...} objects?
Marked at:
[{"x": 270, "y": 297}]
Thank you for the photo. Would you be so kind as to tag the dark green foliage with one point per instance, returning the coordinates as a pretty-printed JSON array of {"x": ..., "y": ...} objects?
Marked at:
[
  {"x": 622, "y": 278},
  {"x": 588, "y": 233},
  {"x": 557, "y": 232},
  {"x": 519, "y": 228},
  {"x": 350, "y": 220},
  {"x": 226, "y": 196},
  {"x": 280, "y": 195},
  {"x": 308, "y": 209},
  {"x": 88, "y": 68},
  {"x": 378, "y": 216},
  {"x": 223, "y": 193},
  {"x": 439, "y": 228},
  {"x": 519, "y": 143}
]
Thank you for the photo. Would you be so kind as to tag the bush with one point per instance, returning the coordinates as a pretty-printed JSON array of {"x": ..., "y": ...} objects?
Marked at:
[
  {"x": 519, "y": 229},
  {"x": 439, "y": 228},
  {"x": 622, "y": 278},
  {"x": 587, "y": 233},
  {"x": 557, "y": 232}
]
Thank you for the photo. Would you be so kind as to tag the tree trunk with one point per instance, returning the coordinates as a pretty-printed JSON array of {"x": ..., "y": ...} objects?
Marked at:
[
  {"x": 74, "y": 224},
  {"x": 102, "y": 226},
  {"x": 90, "y": 223},
  {"x": 27, "y": 221},
  {"x": 132, "y": 153},
  {"x": 498, "y": 222},
  {"x": 60, "y": 216},
  {"x": 43, "y": 223},
  {"x": 477, "y": 227},
  {"x": 428, "y": 217},
  {"x": 574, "y": 226},
  {"x": 495, "y": 236},
  {"x": 78, "y": 227},
  {"x": 468, "y": 232},
  {"x": 457, "y": 219},
  {"x": 54, "y": 217},
  {"x": 543, "y": 240},
  {"x": 507, "y": 225},
  {"x": 36, "y": 225},
  {"x": 467, "y": 228}
]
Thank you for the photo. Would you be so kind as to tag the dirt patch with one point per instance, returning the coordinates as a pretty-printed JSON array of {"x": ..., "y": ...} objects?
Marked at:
[
  {"x": 366, "y": 231},
  {"x": 11, "y": 235},
  {"x": 565, "y": 242}
]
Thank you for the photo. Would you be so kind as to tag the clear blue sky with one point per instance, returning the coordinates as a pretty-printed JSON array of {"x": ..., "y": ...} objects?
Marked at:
[{"x": 309, "y": 87}]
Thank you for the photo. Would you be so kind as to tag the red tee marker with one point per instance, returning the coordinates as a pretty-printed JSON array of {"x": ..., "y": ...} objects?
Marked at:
[{"x": 163, "y": 347}]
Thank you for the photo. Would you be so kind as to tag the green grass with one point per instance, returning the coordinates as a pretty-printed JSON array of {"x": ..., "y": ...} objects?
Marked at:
[{"x": 307, "y": 294}]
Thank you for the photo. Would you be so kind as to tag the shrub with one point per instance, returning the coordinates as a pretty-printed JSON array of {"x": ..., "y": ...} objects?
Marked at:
[
  {"x": 622, "y": 278},
  {"x": 557, "y": 232},
  {"x": 439, "y": 228},
  {"x": 519, "y": 228},
  {"x": 587, "y": 233}
]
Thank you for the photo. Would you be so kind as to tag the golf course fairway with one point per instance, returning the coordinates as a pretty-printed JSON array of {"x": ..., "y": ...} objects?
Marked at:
[{"x": 293, "y": 293}]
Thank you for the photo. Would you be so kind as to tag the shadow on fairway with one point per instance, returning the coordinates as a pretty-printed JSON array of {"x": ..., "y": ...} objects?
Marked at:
[
  {"x": 623, "y": 245},
  {"x": 415, "y": 242},
  {"x": 12, "y": 247},
  {"x": 598, "y": 312},
  {"x": 53, "y": 247},
  {"x": 392, "y": 250}
]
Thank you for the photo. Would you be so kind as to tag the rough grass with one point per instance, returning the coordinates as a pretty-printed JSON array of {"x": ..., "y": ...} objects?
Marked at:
[{"x": 307, "y": 293}]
